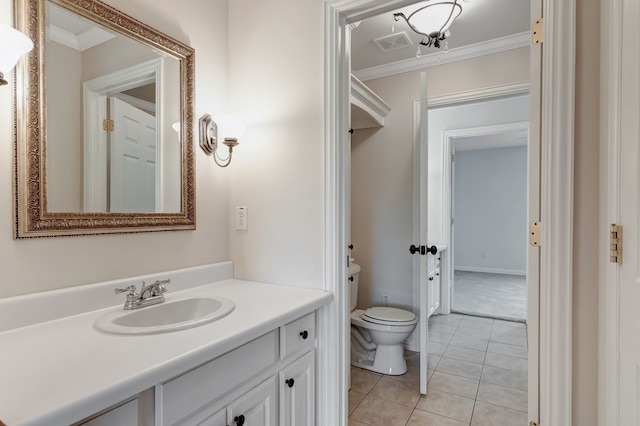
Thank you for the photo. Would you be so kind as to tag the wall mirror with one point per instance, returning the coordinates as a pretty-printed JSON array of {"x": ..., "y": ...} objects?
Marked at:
[{"x": 104, "y": 123}]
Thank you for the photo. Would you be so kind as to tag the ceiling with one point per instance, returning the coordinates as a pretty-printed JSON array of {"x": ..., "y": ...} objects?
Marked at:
[
  {"x": 479, "y": 22},
  {"x": 492, "y": 141}
]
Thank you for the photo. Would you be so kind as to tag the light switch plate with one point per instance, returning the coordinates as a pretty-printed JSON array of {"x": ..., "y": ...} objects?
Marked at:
[{"x": 242, "y": 218}]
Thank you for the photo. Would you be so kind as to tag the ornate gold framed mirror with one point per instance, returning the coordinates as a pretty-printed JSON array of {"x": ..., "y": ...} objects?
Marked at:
[{"x": 104, "y": 123}]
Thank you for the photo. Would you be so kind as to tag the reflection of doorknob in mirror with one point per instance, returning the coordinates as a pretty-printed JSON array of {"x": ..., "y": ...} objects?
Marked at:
[
  {"x": 14, "y": 45},
  {"x": 226, "y": 127}
]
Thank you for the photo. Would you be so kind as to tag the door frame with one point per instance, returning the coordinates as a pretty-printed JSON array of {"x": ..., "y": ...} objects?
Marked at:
[
  {"x": 611, "y": 96},
  {"x": 556, "y": 253}
]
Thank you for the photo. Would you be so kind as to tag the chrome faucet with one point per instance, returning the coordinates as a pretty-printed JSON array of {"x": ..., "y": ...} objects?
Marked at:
[{"x": 151, "y": 294}]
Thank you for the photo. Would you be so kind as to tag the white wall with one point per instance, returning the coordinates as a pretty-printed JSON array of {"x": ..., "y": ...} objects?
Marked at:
[
  {"x": 490, "y": 195},
  {"x": 43, "y": 264},
  {"x": 382, "y": 170},
  {"x": 277, "y": 81}
]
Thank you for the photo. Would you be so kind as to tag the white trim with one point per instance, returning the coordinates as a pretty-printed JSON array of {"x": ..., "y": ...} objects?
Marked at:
[
  {"x": 501, "y": 44},
  {"x": 490, "y": 270},
  {"x": 80, "y": 42},
  {"x": 556, "y": 202},
  {"x": 368, "y": 101},
  {"x": 146, "y": 106},
  {"x": 480, "y": 94},
  {"x": 611, "y": 95}
]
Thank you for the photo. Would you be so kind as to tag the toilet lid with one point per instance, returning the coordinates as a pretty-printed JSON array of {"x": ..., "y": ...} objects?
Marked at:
[{"x": 383, "y": 315}]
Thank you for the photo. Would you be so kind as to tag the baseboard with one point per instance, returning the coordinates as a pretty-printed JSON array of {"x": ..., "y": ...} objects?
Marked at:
[{"x": 490, "y": 270}]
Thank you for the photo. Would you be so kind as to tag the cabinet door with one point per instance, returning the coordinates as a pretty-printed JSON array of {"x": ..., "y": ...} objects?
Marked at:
[
  {"x": 297, "y": 392},
  {"x": 218, "y": 419},
  {"x": 255, "y": 408}
]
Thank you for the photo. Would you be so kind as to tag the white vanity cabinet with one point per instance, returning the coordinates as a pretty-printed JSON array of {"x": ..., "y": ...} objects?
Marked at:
[{"x": 269, "y": 381}]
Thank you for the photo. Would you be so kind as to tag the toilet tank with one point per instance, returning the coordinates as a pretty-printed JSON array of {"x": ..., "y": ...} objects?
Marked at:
[{"x": 354, "y": 276}]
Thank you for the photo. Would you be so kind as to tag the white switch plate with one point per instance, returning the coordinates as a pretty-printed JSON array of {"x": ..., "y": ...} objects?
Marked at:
[{"x": 242, "y": 218}]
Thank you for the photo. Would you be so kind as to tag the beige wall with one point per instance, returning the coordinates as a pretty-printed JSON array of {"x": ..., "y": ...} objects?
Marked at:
[
  {"x": 277, "y": 80},
  {"x": 43, "y": 264},
  {"x": 382, "y": 171}
]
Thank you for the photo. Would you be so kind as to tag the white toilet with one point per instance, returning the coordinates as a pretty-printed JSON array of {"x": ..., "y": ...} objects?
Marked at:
[{"x": 378, "y": 333}]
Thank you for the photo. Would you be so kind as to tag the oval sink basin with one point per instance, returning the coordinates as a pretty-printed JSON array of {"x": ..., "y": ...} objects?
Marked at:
[{"x": 171, "y": 315}]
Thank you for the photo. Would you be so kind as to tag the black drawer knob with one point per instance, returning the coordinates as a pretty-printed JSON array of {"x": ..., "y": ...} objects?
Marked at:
[
  {"x": 289, "y": 382},
  {"x": 350, "y": 278},
  {"x": 239, "y": 420},
  {"x": 304, "y": 334}
]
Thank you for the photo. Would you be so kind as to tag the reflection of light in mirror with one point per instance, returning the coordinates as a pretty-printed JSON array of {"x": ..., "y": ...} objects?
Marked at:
[{"x": 176, "y": 126}]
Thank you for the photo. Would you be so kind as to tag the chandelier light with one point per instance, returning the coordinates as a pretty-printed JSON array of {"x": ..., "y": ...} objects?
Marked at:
[{"x": 432, "y": 20}]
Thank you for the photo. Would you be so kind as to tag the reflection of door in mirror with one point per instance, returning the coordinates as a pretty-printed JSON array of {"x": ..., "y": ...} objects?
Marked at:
[
  {"x": 132, "y": 180},
  {"x": 88, "y": 67}
]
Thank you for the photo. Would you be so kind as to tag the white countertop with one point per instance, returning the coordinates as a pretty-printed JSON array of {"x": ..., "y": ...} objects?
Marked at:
[{"x": 61, "y": 371}]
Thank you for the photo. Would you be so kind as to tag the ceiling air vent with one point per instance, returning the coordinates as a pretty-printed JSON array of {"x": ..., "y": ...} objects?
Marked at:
[{"x": 393, "y": 41}]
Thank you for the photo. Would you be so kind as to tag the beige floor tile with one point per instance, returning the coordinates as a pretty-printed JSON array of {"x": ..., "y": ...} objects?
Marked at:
[
  {"x": 477, "y": 319},
  {"x": 507, "y": 362},
  {"x": 445, "y": 404},
  {"x": 477, "y": 343},
  {"x": 442, "y": 328},
  {"x": 396, "y": 391},
  {"x": 354, "y": 399},
  {"x": 514, "y": 324},
  {"x": 503, "y": 396},
  {"x": 363, "y": 380},
  {"x": 474, "y": 332},
  {"x": 436, "y": 348},
  {"x": 423, "y": 418},
  {"x": 492, "y": 415},
  {"x": 432, "y": 361},
  {"x": 510, "y": 336},
  {"x": 504, "y": 349},
  {"x": 460, "y": 368},
  {"x": 411, "y": 377},
  {"x": 412, "y": 358},
  {"x": 435, "y": 336},
  {"x": 378, "y": 412},
  {"x": 456, "y": 385},
  {"x": 356, "y": 423},
  {"x": 465, "y": 354},
  {"x": 452, "y": 319},
  {"x": 500, "y": 376}
]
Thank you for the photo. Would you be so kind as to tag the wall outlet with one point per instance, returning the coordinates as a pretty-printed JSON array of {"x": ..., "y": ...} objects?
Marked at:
[
  {"x": 385, "y": 300},
  {"x": 242, "y": 218}
]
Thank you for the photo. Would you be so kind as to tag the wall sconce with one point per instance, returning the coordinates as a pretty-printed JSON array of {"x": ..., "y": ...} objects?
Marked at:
[
  {"x": 13, "y": 45},
  {"x": 226, "y": 127}
]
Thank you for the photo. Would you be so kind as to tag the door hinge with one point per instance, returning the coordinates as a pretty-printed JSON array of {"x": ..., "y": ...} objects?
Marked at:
[
  {"x": 535, "y": 234},
  {"x": 615, "y": 244},
  {"x": 108, "y": 125},
  {"x": 537, "y": 31}
]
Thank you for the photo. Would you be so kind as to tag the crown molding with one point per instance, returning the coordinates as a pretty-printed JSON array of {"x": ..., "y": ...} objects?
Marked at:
[
  {"x": 458, "y": 54},
  {"x": 368, "y": 101}
]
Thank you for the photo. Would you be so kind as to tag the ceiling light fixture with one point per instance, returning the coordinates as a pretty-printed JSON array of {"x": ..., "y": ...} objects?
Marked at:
[
  {"x": 13, "y": 44},
  {"x": 432, "y": 20}
]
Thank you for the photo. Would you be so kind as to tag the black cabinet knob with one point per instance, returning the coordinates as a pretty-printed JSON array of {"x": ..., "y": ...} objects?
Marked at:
[
  {"x": 304, "y": 334},
  {"x": 239, "y": 420},
  {"x": 430, "y": 278},
  {"x": 350, "y": 278},
  {"x": 350, "y": 246},
  {"x": 289, "y": 382}
]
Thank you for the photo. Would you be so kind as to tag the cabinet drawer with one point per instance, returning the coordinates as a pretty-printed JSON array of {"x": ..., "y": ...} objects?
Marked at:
[
  {"x": 297, "y": 335},
  {"x": 195, "y": 389}
]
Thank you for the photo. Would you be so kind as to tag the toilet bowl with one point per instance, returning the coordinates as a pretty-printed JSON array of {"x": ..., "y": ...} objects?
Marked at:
[{"x": 378, "y": 333}]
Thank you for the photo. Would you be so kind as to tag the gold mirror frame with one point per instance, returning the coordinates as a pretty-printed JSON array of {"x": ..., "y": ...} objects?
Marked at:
[{"x": 32, "y": 218}]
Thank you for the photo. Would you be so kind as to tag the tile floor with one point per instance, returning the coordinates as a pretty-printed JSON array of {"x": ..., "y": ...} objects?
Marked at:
[
  {"x": 491, "y": 295},
  {"x": 477, "y": 376}
]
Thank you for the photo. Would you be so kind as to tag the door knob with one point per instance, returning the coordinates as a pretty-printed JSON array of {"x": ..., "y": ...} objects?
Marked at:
[
  {"x": 423, "y": 249},
  {"x": 289, "y": 382},
  {"x": 239, "y": 420}
]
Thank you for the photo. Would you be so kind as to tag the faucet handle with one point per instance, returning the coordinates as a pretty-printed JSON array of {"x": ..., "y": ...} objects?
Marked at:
[
  {"x": 131, "y": 289},
  {"x": 160, "y": 284}
]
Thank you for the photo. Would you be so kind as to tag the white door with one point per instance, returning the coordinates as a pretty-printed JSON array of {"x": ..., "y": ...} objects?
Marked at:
[
  {"x": 629, "y": 178},
  {"x": 133, "y": 159},
  {"x": 297, "y": 392},
  {"x": 420, "y": 270},
  {"x": 255, "y": 408}
]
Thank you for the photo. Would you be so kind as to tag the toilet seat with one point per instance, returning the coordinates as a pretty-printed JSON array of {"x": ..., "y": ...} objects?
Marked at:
[{"x": 389, "y": 316}]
